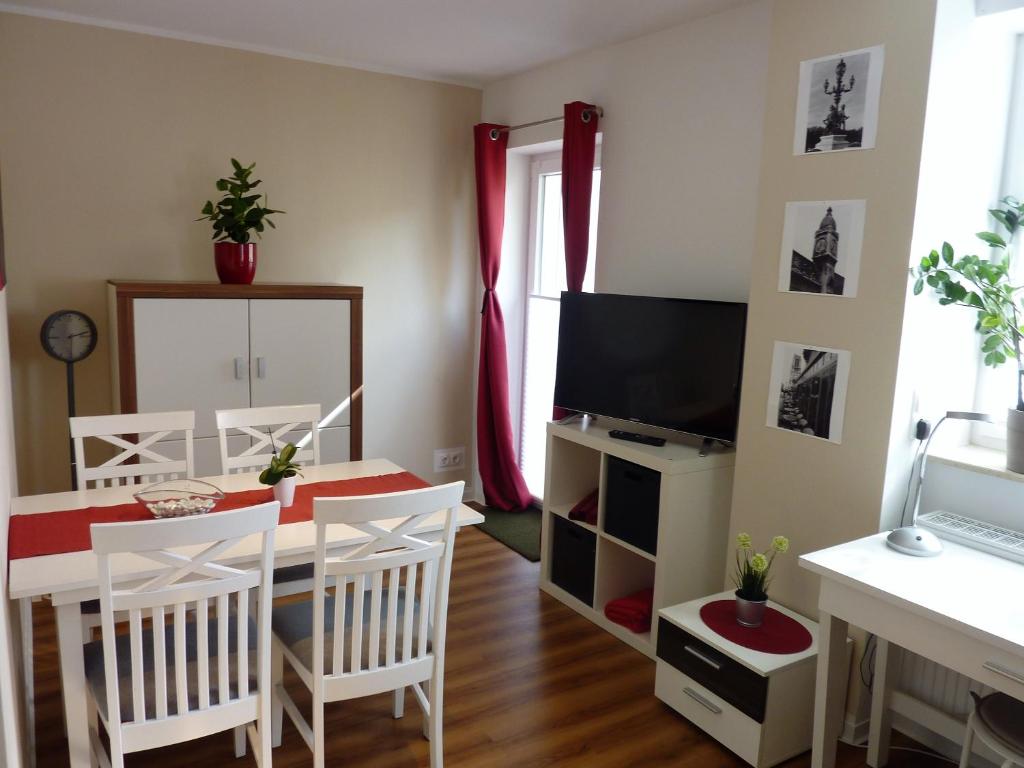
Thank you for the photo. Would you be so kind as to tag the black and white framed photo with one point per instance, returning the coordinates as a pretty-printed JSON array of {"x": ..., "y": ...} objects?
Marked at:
[
  {"x": 837, "y": 102},
  {"x": 821, "y": 247},
  {"x": 807, "y": 393}
]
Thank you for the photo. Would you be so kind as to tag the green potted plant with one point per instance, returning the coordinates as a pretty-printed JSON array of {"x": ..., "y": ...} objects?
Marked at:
[
  {"x": 280, "y": 474},
  {"x": 752, "y": 578},
  {"x": 985, "y": 286},
  {"x": 235, "y": 217}
]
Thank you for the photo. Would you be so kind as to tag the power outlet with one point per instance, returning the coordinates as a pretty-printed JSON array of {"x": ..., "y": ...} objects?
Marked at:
[{"x": 449, "y": 459}]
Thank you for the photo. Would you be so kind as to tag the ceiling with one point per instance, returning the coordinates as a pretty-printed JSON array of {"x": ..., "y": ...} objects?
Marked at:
[{"x": 470, "y": 42}]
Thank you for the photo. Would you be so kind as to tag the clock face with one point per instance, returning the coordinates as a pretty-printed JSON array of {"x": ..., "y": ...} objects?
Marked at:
[{"x": 68, "y": 335}]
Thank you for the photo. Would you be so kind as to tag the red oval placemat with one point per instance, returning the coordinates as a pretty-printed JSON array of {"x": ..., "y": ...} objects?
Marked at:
[{"x": 778, "y": 634}]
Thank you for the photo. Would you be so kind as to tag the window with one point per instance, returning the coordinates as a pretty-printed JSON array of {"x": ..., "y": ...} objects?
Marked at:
[
  {"x": 997, "y": 387},
  {"x": 545, "y": 282}
]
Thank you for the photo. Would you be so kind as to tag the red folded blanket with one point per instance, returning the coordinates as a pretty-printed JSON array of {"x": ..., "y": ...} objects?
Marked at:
[
  {"x": 633, "y": 611},
  {"x": 585, "y": 509}
]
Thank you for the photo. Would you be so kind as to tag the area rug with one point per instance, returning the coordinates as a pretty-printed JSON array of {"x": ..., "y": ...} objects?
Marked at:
[{"x": 519, "y": 531}]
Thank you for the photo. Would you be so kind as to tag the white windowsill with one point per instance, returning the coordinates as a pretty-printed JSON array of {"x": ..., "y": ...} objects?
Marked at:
[{"x": 975, "y": 458}]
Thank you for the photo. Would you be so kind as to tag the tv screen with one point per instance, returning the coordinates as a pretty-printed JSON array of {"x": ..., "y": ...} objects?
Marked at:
[{"x": 671, "y": 363}]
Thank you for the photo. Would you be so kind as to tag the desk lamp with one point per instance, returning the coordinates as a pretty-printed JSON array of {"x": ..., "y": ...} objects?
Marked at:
[{"x": 910, "y": 539}]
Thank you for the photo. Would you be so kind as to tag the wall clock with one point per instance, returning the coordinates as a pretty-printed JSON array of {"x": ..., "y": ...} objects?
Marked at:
[{"x": 69, "y": 336}]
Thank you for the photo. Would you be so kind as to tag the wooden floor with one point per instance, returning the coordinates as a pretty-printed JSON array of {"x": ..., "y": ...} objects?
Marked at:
[{"x": 529, "y": 683}]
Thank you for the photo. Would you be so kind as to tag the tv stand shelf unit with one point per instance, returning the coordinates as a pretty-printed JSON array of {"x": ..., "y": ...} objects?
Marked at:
[
  {"x": 207, "y": 346},
  {"x": 663, "y": 522}
]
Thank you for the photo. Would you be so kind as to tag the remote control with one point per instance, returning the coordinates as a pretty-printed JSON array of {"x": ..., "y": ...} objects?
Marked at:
[{"x": 636, "y": 437}]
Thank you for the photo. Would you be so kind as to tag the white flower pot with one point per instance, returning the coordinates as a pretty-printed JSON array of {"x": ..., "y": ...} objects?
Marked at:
[
  {"x": 284, "y": 491},
  {"x": 1015, "y": 440}
]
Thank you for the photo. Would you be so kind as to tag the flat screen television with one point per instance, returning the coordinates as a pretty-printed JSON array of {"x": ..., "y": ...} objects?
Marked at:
[{"x": 670, "y": 363}]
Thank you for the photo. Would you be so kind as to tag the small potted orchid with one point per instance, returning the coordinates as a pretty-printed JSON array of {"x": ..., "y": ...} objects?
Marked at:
[
  {"x": 280, "y": 475},
  {"x": 752, "y": 578}
]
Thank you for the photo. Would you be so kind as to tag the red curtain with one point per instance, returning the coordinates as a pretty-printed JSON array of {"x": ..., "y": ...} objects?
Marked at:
[
  {"x": 503, "y": 484},
  {"x": 578, "y": 146}
]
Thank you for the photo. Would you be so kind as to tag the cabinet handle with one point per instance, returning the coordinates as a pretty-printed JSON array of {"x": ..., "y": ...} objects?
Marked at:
[
  {"x": 261, "y": 367},
  {"x": 999, "y": 669},
  {"x": 702, "y": 701},
  {"x": 707, "y": 660},
  {"x": 239, "y": 368}
]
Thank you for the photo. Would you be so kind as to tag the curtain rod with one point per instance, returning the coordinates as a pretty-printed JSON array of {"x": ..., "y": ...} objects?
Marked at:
[{"x": 586, "y": 119}]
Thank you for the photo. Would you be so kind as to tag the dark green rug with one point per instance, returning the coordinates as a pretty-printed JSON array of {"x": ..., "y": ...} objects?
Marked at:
[{"x": 519, "y": 531}]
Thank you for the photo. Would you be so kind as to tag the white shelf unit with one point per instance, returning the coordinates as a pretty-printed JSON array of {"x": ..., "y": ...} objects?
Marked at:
[{"x": 693, "y": 506}]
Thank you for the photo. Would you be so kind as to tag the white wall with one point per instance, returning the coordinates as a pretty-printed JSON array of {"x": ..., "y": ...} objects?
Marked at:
[
  {"x": 960, "y": 176},
  {"x": 680, "y": 153}
]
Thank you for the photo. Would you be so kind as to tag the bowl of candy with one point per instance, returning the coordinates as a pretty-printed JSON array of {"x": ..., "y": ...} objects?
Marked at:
[{"x": 179, "y": 498}]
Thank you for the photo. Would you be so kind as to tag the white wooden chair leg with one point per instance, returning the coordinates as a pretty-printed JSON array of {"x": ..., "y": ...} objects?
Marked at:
[
  {"x": 965, "y": 754},
  {"x": 399, "y": 705},
  {"x": 319, "y": 753},
  {"x": 240, "y": 741},
  {"x": 28, "y": 678},
  {"x": 426, "y": 719},
  {"x": 276, "y": 705},
  {"x": 436, "y": 723}
]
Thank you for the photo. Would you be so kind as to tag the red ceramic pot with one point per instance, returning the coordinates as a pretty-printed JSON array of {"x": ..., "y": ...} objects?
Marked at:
[{"x": 236, "y": 262}]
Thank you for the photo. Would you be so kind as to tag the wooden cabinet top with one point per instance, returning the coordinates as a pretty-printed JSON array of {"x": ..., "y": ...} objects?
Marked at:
[{"x": 131, "y": 289}]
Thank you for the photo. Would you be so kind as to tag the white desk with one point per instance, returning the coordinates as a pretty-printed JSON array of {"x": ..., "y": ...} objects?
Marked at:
[
  {"x": 72, "y": 577},
  {"x": 961, "y": 609}
]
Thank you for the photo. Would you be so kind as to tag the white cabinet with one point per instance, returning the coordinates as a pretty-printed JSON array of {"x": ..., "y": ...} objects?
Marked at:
[{"x": 203, "y": 347}]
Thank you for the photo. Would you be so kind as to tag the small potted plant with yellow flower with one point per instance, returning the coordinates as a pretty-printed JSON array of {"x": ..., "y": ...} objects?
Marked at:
[{"x": 752, "y": 578}]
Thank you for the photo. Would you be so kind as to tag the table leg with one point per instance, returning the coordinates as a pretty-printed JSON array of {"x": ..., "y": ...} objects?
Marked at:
[
  {"x": 881, "y": 695},
  {"x": 829, "y": 690},
  {"x": 70, "y": 639}
]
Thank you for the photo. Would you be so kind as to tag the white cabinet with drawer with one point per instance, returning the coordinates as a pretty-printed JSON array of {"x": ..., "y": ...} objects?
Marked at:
[
  {"x": 204, "y": 347},
  {"x": 759, "y": 705}
]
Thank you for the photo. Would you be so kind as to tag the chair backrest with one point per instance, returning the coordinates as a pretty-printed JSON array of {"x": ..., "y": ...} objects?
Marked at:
[
  {"x": 148, "y": 464},
  {"x": 190, "y": 582},
  {"x": 395, "y": 559},
  {"x": 267, "y": 427}
]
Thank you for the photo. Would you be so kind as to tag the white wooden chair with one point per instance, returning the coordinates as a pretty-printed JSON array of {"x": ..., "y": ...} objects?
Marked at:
[
  {"x": 267, "y": 428},
  {"x": 998, "y": 720},
  {"x": 152, "y": 465},
  {"x": 192, "y": 677},
  {"x": 384, "y": 627}
]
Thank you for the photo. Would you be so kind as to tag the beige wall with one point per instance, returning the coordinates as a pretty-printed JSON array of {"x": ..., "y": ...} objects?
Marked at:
[
  {"x": 818, "y": 493},
  {"x": 680, "y": 152},
  {"x": 111, "y": 141}
]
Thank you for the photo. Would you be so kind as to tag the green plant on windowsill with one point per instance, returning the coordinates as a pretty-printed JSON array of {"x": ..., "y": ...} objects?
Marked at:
[
  {"x": 281, "y": 466},
  {"x": 985, "y": 285}
]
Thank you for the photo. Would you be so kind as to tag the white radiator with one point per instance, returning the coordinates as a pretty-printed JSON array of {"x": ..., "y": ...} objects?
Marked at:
[{"x": 936, "y": 686}]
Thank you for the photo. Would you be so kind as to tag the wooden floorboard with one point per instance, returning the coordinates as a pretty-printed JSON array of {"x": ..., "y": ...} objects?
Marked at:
[{"x": 529, "y": 683}]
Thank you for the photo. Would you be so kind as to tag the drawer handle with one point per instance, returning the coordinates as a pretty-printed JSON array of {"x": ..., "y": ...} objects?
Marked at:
[
  {"x": 239, "y": 368},
  {"x": 702, "y": 701},
  {"x": 999, "y": 669},
  {"x": 709, "y": 661}
]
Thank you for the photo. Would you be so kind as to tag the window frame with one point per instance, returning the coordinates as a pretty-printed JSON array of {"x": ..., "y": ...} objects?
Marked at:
[{"x": 541, "y": 164}]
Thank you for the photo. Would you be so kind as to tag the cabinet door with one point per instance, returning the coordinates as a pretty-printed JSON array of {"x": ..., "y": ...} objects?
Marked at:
[
  {"x": 300, "y": 354},
  {"x": 192, "y": 354}
]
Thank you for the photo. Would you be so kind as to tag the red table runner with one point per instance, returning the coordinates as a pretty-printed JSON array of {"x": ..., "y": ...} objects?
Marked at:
[
  {"x": 778, "y": 634},
  {"x": 54, "y": 533}
]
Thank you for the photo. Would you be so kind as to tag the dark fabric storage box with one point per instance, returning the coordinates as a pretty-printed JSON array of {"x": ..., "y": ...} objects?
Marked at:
[
  {"x": 632, "y": 495},
  {"x": 573, "y": 553}
]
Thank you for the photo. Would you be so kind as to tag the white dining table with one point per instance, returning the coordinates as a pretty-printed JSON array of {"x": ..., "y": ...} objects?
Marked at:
[{"x": 71, "y": 578}]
